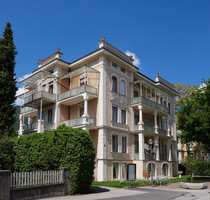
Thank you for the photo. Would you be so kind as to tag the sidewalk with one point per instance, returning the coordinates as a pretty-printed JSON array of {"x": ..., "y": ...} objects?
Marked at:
[{"x": 203, "y": 194}]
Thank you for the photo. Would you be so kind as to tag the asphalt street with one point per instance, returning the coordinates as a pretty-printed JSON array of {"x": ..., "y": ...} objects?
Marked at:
[{"x": 140, "y": 194}]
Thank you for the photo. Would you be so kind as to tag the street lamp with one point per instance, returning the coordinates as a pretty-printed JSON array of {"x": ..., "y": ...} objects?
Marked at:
[{"x": 151, "y": 152}]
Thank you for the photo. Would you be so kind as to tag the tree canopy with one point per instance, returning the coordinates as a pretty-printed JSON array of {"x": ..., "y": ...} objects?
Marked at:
[
  {"x": 7, "y": 82},
  {"x": 194, "y": 116}
]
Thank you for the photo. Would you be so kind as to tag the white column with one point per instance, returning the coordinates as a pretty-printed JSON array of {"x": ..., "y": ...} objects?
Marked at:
[
  {"x": 141, "y": 146},
  {"x": 29, "y": 120},
  {"x": 158, "y": 149},
  {"x": 101, "y": 155},
  {"x": 169, "y": 150},
  {"x": 85, "y": 106},
  {"x": 21, "y": 125},
  {"x": 168, "y": 126},
  {"x": 155, "y": 122},
  {"x": 40, "y": 125},
  {"x": 141, "y": 123}
]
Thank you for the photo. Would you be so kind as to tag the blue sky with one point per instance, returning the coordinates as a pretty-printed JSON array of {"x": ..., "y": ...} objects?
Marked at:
[{"x": 169, "y": 37}]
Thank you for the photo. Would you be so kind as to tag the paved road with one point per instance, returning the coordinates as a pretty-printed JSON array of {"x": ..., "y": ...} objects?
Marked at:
[{"x": 141, "y": 194}]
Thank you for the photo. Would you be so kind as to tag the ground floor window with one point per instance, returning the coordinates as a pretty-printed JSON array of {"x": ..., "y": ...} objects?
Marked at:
[
  {"x": 165, "y": 169},
  {"x": 124, "y": 170},
  {"x": 115, "y": 170}
]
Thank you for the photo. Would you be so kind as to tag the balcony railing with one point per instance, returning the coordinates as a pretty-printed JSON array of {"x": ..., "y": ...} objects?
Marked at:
[
  {"x": 49, "y": 126},
  {"x": 136, "y": 156},
  {"x": 76, "y": 91},
  {"x": 162, "y": 132},
  {"x": 163, "y": 157},
  {"x": 38, "y": 95},
  {"x": 149, "y": 128},
  {"x": 150, "y": 103},
  {"x": 135, "y": 127},
  {"x": 30, "y": 127},
  {"x": 78, "y": 121},
  {"x": 26, "y": 109}
]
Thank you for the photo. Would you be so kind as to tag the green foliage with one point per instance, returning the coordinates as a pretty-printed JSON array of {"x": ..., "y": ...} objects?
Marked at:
[
  {"x": 194, "y": 117},
  {"x": 6, "y": 153},
  {"x": 190, "y": 164},
  {"x": 184, "y": 92},
  {"x": 63, "y": 147},
  {"x": 7, "y": 82},
  {"x": 202, "y": 168}
]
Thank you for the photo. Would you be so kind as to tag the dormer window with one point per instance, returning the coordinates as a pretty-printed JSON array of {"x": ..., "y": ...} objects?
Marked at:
[
  {"x": 114, "y": 65},
  {"x": 51, "y": 71},
  {"x": 123, "y": 70}
]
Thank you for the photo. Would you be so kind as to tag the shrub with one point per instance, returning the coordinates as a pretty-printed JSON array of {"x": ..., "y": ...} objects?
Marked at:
[
  {"x": 63, "y": 147},
  {"x": 202, "y": 168},
  {"x": 6, "y": 154}
]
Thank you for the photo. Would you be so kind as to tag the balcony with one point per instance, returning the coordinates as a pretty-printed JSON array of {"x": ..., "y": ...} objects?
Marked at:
[
  {"x": 150, "y": 103},
  {"x": 149, "y": 128},
  {"x": 34, "y": 99},
  {"x": 32, "y": 127},
  {"x": 79, "y": 121},
  {"x": 163, "y": 157},
  {"x": 119, "y": 125},
  {"x": 26, "y": 110},
  {"x": 162, "y": 132},
  {"x": 77, "y": 91}
]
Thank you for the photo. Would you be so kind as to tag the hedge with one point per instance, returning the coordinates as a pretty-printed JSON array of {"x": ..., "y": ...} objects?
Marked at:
[
  {"x": 63, "y": 147},
  {"x": 202, "y": 168}
]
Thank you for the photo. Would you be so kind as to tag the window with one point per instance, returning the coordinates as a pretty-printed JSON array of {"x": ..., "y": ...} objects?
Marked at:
[
  {"x": 135, "y": 93},
  {"x": 51, "y": 71},
  {"x": 136, "y": 118},
  {"x": 124, "y": 171},
  {"x": 114, "y": 65},
  {"x": 50, "y": 115},
  {"x": 51, "y": 87},
  {"x": 123, "y": 116},
  {"x": 81, "y": 111},
  {"x": 122, "y": 87},
  {"x": 114, "y": 113},
  {"x": 124, "y": 144},
  {"x": 83, "y": 81},
  {"x": 122, "y": 69},
  {"x": 114, "y": 143},
  {"x": 115, "y": 170},
  {"x": 44, "y": 87},
  {"x": 114, "y": 84}
]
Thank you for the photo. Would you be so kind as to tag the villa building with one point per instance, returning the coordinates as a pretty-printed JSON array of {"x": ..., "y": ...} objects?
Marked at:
[{"x": 105, "y": 94}]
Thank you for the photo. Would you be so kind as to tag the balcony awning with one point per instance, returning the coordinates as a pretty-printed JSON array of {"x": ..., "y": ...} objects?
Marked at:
[
  {"x": 34, "y": 78},
  {"x": 78, "y": 71}
]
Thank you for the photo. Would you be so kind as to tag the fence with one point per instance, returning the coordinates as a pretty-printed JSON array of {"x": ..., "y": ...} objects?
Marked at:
[
  {"x": 34, "y": 185},
  {"x": 23, "y": 179}
]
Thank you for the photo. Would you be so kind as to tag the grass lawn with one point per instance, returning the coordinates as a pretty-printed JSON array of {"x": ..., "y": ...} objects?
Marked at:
[{"x": 122, "y": 184}]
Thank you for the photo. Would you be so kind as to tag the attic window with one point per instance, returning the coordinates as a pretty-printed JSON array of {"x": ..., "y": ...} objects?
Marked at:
[
  {"x": 51, "y": 71},
  {"x": 114, "y": 65},
  {"x": 123, "y": 70}
]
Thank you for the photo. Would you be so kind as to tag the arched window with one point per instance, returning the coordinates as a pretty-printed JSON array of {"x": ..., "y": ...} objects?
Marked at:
[
  {"x": 122, "y": 87},
  {"x": 114, "y": 84},
  {"x": 135, "y": 92},
  {"x": 165, "y": 169}
]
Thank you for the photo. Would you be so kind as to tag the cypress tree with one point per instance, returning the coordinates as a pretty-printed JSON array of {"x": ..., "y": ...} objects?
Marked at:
[{"x": 7, "y": 82}]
